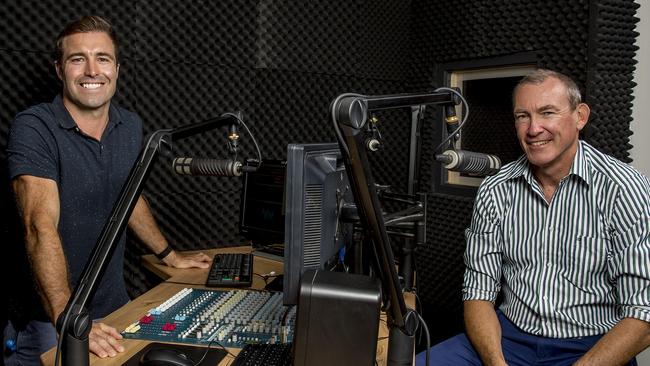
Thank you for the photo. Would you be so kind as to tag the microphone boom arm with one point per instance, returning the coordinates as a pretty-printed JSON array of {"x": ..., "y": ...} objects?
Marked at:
[
  {"x": 74, "y": 323},
  {"x": 349, "y": 114}
]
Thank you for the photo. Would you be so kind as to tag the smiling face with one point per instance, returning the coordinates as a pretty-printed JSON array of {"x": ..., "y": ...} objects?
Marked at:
[
  {"x": 88, "y": 70},
  {"x": 547, "y": 126}
]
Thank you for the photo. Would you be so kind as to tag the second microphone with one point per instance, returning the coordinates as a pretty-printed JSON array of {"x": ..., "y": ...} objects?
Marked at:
[{"x": 205, "y": 166}]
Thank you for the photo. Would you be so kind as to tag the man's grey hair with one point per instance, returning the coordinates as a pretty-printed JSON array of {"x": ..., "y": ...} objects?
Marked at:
[{"x": 540, "y": 75}]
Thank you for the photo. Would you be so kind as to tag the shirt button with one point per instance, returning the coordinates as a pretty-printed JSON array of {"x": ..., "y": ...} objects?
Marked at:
[
  {"x": 550, "y": 228},
  {"x": 548, "y": 264},
  {"x": 545, "y": 298}
]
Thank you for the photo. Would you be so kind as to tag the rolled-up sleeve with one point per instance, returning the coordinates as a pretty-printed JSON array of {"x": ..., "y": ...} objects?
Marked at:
[
  {"x": 629, "y": 264},
  {"x": 483, "y": 257}
]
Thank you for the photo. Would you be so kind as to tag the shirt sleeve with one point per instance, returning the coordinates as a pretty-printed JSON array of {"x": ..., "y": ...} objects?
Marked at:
[
  {"x": 482, "y": 280},
  {"x": 31, "y": 149},
  {"x": 629, "y": 264}
]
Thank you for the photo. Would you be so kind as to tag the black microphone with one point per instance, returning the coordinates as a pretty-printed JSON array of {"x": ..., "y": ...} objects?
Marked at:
[
  {"x": 470, "y": 162},
  {"x": 204, "y": 166}
]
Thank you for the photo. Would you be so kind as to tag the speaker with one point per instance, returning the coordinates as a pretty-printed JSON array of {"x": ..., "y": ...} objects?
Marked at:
[{"x": 337, "y": 320}]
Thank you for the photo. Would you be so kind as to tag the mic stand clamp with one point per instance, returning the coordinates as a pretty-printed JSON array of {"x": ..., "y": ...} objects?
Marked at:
[
  {"x": 401, "y": 341},
  {"x": 75, "y": 345}
]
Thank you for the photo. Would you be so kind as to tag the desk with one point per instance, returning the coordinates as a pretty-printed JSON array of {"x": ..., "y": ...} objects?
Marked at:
[{"x": 176, "y": 280}]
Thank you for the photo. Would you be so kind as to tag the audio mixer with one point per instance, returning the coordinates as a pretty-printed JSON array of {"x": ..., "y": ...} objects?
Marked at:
[{"x": 232, "y": 318}]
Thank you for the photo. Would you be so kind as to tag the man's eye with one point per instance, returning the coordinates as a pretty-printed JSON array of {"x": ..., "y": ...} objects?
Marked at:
[
  {"x": 104, "y": 59},
  {"x": 547, "y": 113},
  {"x": 76, "y": 60},
  {"x": 521, "y": 117}
]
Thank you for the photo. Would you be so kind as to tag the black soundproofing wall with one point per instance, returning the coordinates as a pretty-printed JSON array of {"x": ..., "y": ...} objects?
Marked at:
[{"x": 282, "y": 62}]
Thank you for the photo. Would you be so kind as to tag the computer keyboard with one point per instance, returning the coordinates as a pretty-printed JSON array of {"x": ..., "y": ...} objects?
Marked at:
[
  {"x": 276, "y": 354},
  {"x": 231, "y": 269}
]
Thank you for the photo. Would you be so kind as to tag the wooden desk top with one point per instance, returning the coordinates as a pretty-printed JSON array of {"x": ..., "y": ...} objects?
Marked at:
[
  {"x": 176, "y": 280},
  {"x": 197, "y": 276}
]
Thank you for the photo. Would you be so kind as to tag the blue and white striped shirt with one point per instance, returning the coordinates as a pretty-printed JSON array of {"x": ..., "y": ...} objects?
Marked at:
[{"x": 569, "y": 268}]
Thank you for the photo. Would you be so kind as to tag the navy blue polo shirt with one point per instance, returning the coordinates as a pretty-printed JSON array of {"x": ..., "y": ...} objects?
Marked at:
[{"x": 44, "y": 141}]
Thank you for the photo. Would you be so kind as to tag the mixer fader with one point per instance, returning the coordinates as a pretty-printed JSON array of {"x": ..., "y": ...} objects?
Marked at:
[{"x": 232, "y": 318}]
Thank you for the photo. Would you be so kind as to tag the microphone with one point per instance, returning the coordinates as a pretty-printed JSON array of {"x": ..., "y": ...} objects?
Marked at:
[
  {"x": 470, "y": 162},
  {"x": 204, "y": 166}
]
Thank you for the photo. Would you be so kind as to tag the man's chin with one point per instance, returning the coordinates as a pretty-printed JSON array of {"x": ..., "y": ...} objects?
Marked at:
[
  {"x": 539, "y": 160},
  {"x": 91, "y": 104}
]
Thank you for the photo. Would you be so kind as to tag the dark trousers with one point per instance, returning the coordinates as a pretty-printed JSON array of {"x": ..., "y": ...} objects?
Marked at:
[
  {"x": 29, "y": 343},
  {"x": 519, "y": 348}
]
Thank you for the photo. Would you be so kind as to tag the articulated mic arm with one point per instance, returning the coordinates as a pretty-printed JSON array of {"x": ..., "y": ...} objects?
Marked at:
[
  {"x": 74, "y": 324},
  {"x": 350, "y": 114}
]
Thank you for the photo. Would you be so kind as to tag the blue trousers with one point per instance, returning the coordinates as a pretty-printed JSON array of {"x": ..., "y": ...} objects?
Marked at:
[
  {"x": 31, "y": 342},
  {"x": 519, "y": 349}
]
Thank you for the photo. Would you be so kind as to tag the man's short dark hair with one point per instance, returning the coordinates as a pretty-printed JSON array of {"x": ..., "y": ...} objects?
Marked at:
[
  {"x": 540, "y": 75},
  {"x": 89, "y": 23}
]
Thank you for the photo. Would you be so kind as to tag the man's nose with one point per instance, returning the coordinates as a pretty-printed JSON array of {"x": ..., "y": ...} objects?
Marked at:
[
  {"x": 535, "y": 125},
  {"x": 91, "y": 68}
]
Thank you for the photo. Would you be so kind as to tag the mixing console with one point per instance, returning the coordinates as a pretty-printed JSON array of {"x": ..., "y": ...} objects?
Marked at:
[{"x": 232, "y": 318}]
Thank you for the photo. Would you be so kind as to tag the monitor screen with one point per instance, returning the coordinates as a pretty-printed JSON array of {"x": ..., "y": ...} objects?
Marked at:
[
  {"x": 261, "y": 213},
  {"x": 316, "y": 189}
]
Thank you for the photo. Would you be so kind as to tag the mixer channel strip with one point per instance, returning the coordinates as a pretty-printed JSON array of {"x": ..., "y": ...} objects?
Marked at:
[
  {"x": 231, "y": 318},
  {"x": 231, "y": 269}
]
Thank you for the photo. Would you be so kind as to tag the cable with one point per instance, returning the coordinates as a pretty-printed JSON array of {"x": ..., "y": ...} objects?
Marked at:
[
  {"x": 419, "y": 304},
  {"x": 208, "y": 350},
  {"x": 465, "y": 115},
  {"x": 257, "y": 147},
  {"x": 426, "y": 331},
  {"x": 266, "y": 276}
]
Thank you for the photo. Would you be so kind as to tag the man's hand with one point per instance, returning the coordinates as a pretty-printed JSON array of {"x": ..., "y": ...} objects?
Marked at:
[
  {"x": 194, "y": 260},
  {"x": 103, "y": 340}
]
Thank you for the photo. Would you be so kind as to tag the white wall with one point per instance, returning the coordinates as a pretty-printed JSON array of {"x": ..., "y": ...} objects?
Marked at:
[{"x": 640, "y": 140}]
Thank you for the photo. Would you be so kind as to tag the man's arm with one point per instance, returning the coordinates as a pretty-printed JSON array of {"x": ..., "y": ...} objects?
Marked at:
[
  {"x": 38, "y": 203},
  {"x": 484, "y": 331},
  {"x": 627, "y": 339},
  {"x": 143, "y": 224}
]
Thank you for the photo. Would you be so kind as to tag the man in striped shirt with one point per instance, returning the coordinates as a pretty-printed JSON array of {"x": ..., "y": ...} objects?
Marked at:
[{"x": 563, "y": 234}]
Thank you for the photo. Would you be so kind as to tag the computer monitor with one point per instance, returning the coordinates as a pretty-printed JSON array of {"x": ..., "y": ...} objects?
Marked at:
[
  {"x": 316, "y": 189},
  {"x": 261, "y": 213}
]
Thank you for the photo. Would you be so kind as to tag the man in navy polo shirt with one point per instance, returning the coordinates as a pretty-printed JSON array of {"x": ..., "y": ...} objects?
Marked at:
[{"x": 67, "y": 162}]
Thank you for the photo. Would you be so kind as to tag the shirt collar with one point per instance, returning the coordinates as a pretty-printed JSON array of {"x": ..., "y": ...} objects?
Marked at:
[
  {"x": 67, "y": 122},
  {"x": 579, "y": 168}
]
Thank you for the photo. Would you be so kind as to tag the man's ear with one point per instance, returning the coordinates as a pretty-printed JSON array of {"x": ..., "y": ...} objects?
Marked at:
[
  {"x": 57, "y": 67},
  {"x": 583, "y": 115}
]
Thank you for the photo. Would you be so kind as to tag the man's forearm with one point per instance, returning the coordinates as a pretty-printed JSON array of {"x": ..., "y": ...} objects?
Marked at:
[
  {"x": 50, "y": 271},
  {"x": 38, "y": 203},
  {"x": 627, "y": 339},
  {"x": 484, "y": 331},
  {"x": 144, "y": 226}
]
